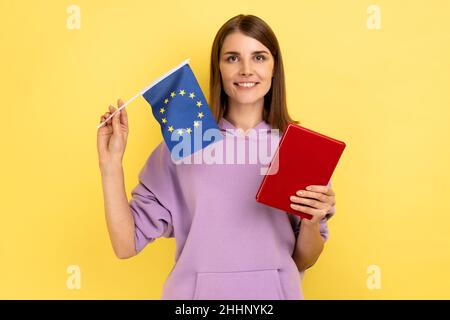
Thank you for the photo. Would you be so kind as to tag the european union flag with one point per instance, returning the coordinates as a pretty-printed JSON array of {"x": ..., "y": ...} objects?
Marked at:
[{"x": 180, "y": 107}]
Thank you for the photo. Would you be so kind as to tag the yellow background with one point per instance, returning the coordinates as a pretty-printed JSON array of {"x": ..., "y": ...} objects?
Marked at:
[{"x": 384, "y": 92}]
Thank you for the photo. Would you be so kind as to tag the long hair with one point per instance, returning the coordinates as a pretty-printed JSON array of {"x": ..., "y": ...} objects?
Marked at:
[{"x": 275, "y": 111}]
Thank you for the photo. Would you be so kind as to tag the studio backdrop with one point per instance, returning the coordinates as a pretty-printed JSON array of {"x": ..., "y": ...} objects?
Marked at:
[{"x": 375, "y": 74}]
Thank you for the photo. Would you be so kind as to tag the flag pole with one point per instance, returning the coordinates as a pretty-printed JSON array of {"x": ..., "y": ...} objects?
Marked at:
[{"x": 145, "y": 89}]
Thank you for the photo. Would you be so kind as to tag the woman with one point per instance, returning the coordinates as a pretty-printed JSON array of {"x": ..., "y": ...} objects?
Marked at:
[{"x": 228, "y": 246}]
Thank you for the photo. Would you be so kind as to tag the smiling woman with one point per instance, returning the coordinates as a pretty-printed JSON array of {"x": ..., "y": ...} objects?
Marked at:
[
  {"x": 228, "y": 245},
  {"x": 247, "y": 74}
]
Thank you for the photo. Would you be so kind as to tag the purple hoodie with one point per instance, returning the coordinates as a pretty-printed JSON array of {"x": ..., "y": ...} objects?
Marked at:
[{"x": 228, "y": 246}]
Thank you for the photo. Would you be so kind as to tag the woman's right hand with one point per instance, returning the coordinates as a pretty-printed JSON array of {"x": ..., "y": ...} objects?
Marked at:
[{"x": 112, "y": 137}]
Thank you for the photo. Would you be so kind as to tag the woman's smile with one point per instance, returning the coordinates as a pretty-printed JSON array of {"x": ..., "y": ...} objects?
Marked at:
[{"x": 246, "y": 85}]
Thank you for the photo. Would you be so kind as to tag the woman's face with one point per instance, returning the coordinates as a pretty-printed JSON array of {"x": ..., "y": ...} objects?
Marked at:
[{"x": 246, "y": 66}]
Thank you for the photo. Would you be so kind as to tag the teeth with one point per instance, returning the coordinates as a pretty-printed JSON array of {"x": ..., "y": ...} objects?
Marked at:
[{"x": 246, "y": 84}]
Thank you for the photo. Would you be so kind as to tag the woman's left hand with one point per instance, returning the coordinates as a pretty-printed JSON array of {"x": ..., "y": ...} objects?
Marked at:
[{"x": 320, "y": 200}]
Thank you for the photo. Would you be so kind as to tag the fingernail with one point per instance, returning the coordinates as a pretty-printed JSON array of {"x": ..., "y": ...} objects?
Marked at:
[
  {"x": 308, "y": 188},
  {"x": 299, "y": 193}
]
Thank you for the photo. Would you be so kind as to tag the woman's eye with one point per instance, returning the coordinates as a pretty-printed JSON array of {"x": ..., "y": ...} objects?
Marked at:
[{"x": 234, "y": 58}]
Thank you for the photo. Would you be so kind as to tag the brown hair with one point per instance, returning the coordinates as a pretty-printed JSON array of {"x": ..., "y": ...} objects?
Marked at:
[{"x": 275, "y": 109}]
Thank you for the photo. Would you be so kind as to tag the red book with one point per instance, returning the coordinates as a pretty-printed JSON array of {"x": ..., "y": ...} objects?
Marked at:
[{"x": 303, "y": 157}]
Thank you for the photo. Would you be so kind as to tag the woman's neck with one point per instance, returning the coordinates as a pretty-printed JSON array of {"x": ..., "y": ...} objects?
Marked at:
[{"x": 245, "y": 116}]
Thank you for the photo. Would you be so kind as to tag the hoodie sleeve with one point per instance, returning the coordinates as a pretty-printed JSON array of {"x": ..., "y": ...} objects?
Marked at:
[{"x": 152, "y": 197}]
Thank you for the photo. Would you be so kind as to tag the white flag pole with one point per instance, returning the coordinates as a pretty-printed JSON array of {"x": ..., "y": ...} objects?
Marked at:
[{"x": 145, "y": 89}]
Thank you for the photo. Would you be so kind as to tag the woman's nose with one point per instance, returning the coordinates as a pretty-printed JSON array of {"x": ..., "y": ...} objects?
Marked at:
[{"x": 246, "y": 68}]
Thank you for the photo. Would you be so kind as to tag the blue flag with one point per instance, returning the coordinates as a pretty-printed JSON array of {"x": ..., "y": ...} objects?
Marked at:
[{"x": 178, "y": 104}]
